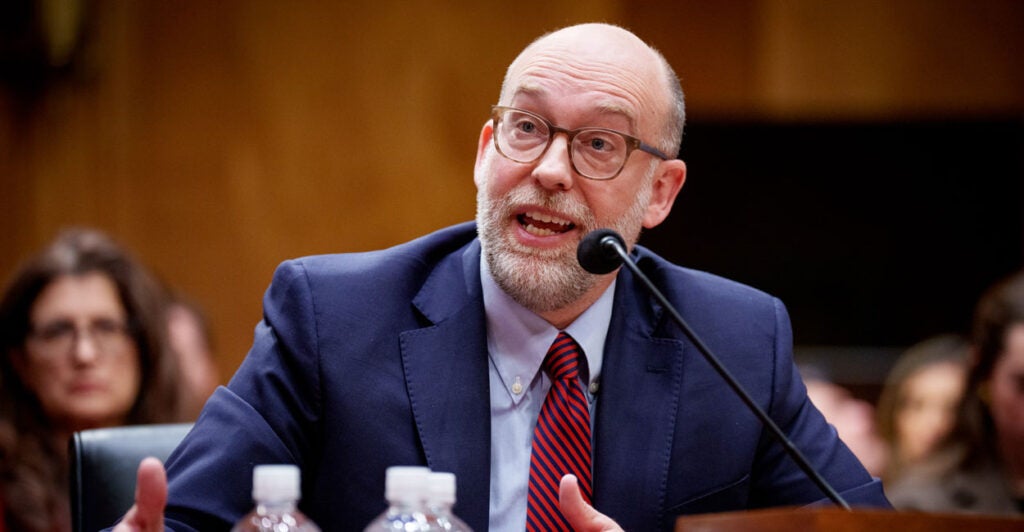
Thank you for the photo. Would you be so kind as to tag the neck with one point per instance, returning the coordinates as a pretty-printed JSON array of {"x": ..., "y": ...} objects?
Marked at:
[{"x": 563, "y": 317}]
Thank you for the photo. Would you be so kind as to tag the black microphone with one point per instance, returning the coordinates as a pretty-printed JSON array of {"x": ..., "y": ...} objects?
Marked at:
[
  {"x": 603, "y": 250},
  {"x": 598, "y": 251}
]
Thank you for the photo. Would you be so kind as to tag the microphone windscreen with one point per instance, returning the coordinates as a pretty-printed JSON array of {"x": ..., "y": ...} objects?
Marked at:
[{"x": 596, "y": 252}]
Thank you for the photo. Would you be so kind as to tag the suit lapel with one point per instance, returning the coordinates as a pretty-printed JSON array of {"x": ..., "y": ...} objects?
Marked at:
[
  {"x": 637, "y": 410},
  {"x": 446, "y": 371},
  {"x": 445, "y": 368}
]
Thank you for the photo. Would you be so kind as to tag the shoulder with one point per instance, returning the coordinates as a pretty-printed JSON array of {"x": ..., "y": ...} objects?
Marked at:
[
  {"x": 374, "y": 283},
  {"x": 733, "y": 316},
  {"x": 698, "y": 288},
  {"x": 415, "y": 257}
]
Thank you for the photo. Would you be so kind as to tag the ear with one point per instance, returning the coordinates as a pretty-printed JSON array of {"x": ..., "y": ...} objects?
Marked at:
[
  {"x": 486, "y": 135},
  {"x": 668, "y": 181}
]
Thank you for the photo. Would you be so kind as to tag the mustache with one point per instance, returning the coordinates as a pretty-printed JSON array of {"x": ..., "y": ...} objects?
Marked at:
[{"x": 558, "y": 202}]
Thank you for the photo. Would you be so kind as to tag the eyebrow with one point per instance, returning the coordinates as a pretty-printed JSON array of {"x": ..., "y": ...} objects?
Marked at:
[{"x": 603, "y": 107}]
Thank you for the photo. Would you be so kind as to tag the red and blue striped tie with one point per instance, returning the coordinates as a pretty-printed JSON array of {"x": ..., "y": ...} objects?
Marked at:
[{"x": 561, "y": 440}]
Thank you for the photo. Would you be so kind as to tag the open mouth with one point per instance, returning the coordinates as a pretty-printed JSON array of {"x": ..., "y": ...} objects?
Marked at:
[{"x": 540, "y": 224}]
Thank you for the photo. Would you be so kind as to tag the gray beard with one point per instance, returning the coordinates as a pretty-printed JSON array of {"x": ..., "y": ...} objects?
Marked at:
[
  {"x": 543, "y": 280},
  {"x": 540, "y": 280}
]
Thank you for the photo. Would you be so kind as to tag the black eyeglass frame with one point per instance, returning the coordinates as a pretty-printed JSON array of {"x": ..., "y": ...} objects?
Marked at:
[{"x": 632, "y": 143}]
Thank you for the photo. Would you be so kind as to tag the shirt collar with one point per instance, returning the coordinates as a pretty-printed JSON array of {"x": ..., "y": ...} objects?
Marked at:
[{"x": 518, "y": 339}]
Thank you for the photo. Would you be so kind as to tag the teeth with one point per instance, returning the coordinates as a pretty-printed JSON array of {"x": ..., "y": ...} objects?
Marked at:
[
  {"x": 540, "y": 224},
  {"x": 541, "y": 217},
  {"x": 533, "y": 230}
]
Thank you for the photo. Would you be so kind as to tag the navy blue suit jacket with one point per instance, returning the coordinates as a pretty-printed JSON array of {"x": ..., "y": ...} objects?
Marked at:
[{"x": 369, "y": 360}]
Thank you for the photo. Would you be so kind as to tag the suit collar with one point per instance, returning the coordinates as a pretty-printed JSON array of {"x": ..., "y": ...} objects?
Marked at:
[
  {"x": 445, "y": 366},
  {"x": 446, "y": 372},
  {"x": 637, "y": 408}
]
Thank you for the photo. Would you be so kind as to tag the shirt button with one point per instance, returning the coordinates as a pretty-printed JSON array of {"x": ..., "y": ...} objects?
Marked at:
[
  {"x": 517, "y": 386},
  {"x": 594, "y": 386}
]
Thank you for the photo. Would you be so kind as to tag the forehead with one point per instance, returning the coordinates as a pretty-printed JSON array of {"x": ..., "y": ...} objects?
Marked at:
[
  {"x": 938, "y": 378},
  {"x": 596, "y": 110},
  {"x": 67, "y": 296},
  {"x": 581, "y": 72}
]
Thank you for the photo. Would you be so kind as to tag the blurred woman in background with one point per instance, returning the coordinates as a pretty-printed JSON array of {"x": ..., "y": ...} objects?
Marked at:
[
  {"x": 917, "y": 406},
  {"x": 84, "y": 345},
  {"x": 979, "y": 468}
]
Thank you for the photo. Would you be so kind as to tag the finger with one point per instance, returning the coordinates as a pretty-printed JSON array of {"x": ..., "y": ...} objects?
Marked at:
[
  {"x": 581, "y": 515},
  {"x": 127, "y": 522},
  {"x": 150, "y": 496}
]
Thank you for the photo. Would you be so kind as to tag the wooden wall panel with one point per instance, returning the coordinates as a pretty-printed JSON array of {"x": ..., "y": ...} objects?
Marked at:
[
  {"x": 217, "y": 139},
  {"x": 881, "y": 59}
]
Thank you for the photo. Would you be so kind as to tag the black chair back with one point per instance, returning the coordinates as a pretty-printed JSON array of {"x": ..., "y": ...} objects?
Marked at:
[{"x": 104, "y": 463}]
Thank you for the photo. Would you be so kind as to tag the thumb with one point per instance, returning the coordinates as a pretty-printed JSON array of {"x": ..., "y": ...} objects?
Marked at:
[
  {"x": 147, "y": 515},
  {"x": 580, "y": 514}
]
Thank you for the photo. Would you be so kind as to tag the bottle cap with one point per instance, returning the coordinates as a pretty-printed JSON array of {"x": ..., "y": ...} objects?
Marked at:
[
  {"x": 278, "y": 482},
  {"x": 405, "y": 482},
  {"x": 441, "y": 487}
]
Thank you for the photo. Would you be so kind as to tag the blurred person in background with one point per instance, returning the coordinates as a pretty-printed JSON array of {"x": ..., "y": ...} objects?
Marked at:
[
  {"x": 84, "y": 345},
  {"x": 917, "y": 406},
  {"x": 192, "y": 340},
  {"x": 979, "y": 468},
  {"x": 853, "y": 418}
]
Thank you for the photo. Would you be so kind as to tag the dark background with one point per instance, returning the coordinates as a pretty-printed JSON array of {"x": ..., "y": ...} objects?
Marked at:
[{"x": 875, "y": 235}]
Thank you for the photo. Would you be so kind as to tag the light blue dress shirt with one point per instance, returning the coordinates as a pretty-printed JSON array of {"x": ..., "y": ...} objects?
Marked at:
[{"x": 517, "y": 341}]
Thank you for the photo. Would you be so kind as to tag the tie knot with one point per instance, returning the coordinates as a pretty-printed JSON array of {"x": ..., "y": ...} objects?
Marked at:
[{"x": 561, "y": 361}]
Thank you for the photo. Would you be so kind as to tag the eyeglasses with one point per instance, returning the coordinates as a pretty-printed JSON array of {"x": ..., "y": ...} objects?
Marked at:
[
  {"x": 60, "y": 337},
  {"x": 594, "y": 152}
]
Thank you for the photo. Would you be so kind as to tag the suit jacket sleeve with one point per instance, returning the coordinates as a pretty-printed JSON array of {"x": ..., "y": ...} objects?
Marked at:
[
  {"x": 267, "y": 413},
  {"x": 361, "y": 361}
]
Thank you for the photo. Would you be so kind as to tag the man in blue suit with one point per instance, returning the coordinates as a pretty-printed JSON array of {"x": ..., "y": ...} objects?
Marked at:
[{"x": 430, "y": 352}]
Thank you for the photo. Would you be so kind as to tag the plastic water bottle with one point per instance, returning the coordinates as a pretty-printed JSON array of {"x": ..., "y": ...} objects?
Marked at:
[
  {"x": 275, "y": 488},
  {"x": 440, "y": 500},
  {"x": 405, "y": 491}
]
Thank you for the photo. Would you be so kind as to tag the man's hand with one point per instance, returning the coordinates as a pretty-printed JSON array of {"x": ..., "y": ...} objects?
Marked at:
[
  {"x": 147, "y": 515},
  {"x": 582, "y": 516}
]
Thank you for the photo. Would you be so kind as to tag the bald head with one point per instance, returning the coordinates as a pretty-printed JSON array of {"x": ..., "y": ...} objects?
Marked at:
[{"x": 598, "y": 53}]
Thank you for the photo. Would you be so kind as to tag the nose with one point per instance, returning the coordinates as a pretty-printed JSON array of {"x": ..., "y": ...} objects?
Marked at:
[
  {"x": 85, "y": 350},
  {"x": 554, "y": 169}
]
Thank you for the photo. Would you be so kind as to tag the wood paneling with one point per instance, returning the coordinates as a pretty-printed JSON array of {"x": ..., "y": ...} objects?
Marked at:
[{"x": 216, "y": 139}]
